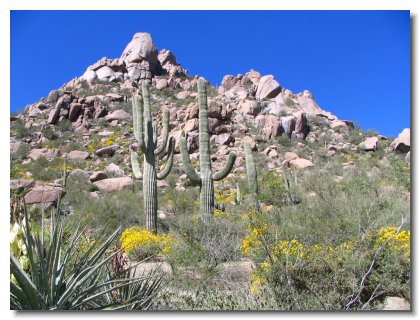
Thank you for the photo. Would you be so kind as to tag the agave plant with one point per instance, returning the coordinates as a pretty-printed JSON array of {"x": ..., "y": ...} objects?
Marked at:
[{"x": 56, "y": 280}]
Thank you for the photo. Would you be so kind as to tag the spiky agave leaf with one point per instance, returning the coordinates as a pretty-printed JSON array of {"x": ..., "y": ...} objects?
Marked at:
[{"x": 54, "y": 282}]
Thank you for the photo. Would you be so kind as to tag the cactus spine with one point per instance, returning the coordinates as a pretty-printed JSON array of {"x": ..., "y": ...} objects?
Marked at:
[
  {"x": 252, "y": 176},
  {"x": 146, "y": 134},
  {"x": 206, "y": 177}
]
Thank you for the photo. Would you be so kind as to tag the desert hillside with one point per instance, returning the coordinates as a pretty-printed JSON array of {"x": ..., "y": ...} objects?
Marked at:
[{"x": 242, "y": 196}]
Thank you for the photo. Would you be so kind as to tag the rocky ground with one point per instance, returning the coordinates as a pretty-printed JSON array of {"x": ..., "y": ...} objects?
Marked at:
[{"x": 88, "y": 120}]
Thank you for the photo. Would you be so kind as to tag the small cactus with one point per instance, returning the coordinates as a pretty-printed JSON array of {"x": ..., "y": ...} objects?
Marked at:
[
  {"x": 206, "y": 177},
  {"x": 146, "y": 134},
  {"x": 251, "y": 173}
]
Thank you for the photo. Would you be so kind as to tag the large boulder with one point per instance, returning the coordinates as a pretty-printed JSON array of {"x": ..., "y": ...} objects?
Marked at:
[
  {"x": 369, "y": 144},
  {"x": 105, "y": 74},
  {"x": 107, "y": 151},
  {"x": 22, "y": 184},
  {"x": 45, "y": 194},
  {"x": 268, "y": 88},
  {"x": 114, "y": 184},
  {"x": 78, "y": 155},
  {"x": 43, "y": 152},
  {"x": 249, "y": 107},
  {"x": 117, "y": 115},
  {"x": 90, "y": 76},
  {"x": 97, "y": 175},
  {"x": 402, "y": 143},
  {"x": 74, "y": 111},
  {"x": 269, "y": 124},
  {"x": 300, "y": 163},
  {"x": 340, "y": 125},
  {"x": 113, "y": 170},
  {"x": 301, "y": 127},
  {"x": 288, "y": 125},
  {"x": 140, "y": 48}
]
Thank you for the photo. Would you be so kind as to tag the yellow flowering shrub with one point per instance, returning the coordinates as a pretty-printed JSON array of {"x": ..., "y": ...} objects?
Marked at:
[
  {"x": 140, "y": 244},
  {"x": 394, "y": 240},
  {"x": 269, "y": 256}
]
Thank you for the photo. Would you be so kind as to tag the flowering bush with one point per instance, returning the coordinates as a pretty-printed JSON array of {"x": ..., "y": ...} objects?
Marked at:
[
  {"x": 140, "y": 244},
  {"x": 291, "y": 268}
]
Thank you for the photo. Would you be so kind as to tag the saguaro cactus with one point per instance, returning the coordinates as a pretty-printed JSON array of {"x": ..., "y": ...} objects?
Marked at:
[
  {"x": 206, "y": 177},
  {"x": 251, "y": 173},
  {"x": 146, "y": 134}
]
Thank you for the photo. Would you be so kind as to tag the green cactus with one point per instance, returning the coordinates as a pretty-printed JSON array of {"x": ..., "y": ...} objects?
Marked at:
[
  {"x": 206, "y": 177},
  {"x": 146, "y": 134},
  {"x": 252, "y": 176},
  {"x": 238, "y": 198}
]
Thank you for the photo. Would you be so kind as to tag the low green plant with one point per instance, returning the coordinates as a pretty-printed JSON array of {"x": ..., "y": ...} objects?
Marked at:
[{"x": 55, "y": 282}]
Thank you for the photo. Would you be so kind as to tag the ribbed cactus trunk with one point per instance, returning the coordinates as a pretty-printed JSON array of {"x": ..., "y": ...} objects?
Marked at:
[
  {"x": 206, "y": 177},
  {"x": 251, "y": 173},
  {"x": 207, "y": 186},
  {"x": 148, "y": 145}
]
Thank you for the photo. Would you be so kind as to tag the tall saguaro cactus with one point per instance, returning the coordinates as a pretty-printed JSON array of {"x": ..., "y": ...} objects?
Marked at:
[
  {"x": 205, "y": 177},
  {"x": 146, "y": 134},
  {"x": 252, "y": 176}
]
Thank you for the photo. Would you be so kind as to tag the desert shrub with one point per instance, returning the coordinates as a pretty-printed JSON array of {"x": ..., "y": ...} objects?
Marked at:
[
  {"x": 111, "y": 210},
  {"x": 209, "y": 298},
  {"x": 126, "y": 106},
  {"x": 350, "y": 275},
  {"x": 65, "y": 125},
  {"x": 43, "y": 169},
  {"x": 140, "y": 244},
  {"x": 18, "y": 128},
  {"x": 272, "y": 190},
  {"x": 203, "y": 247},
  {"x": 314, "y": 255}
]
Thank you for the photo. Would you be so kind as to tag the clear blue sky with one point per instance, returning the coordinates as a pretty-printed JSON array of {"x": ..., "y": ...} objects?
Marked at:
[{"x": 356, "y": 63}]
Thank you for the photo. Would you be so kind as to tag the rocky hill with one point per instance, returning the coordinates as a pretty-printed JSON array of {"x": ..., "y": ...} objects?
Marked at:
[
  {"x": 329, "y": 192},
  {"x": 88, "y": 120}
]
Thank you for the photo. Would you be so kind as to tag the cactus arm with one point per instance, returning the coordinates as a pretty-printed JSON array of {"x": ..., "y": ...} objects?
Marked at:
[
  {"x": 135, "y": 165},
  {"x": 186, "y": 162},
  {"x": 227, "y": 169},
  {"x": 138, "y": 123},
  {"x": 164, "y": 173},
  {"x": 165, "y": 124}
]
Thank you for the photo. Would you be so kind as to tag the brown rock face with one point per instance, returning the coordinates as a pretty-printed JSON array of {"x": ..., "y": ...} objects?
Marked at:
[
  {"x": 107, "y": 151},
  {"x": 44, "y": 152},
  {"x": 117, "y": 115},
  {"x": 301, "y": 127},
  {"x": 249, "y": 107},
  {"x": 269, "y": 124},
  {"x": 98, "y": 175},
  {"x": 402, "y": 143},
  {"x": 78, "y": 155},
  {"x": 114, "y": 184},
  {"x": 300, "y": 163},
  {"x": 140, "y": 48},
  {"x": 45, "y": 194},
  {"x": 370, "y": 144},
  {"x": 268, "y": 88}
]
